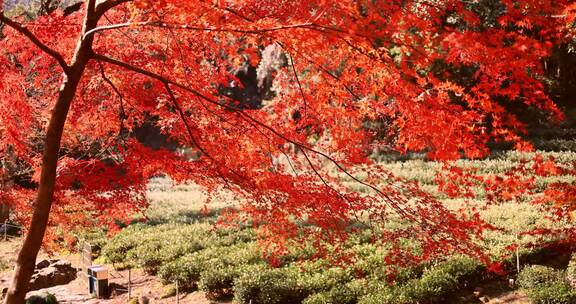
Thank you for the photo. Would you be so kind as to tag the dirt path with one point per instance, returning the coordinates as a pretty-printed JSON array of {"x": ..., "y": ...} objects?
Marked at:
[
  {"x": 142, "y": 286},
  {"x": 77, "y": 291},
  {"x": 495, "y": 291}
]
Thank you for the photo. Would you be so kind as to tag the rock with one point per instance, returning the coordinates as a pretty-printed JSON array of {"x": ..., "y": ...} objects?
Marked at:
[
  {"x": 64, "y": 294},
  {"x": 143, "y": 300},
  {"x": 62, "y": 265},
  {"x": 58, "y": 272},
  {"x": 43, "y": 264}
]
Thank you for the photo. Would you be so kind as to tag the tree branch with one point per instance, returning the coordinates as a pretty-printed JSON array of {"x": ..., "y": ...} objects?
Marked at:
[
  {"x": 122, "y": 113},
  {"x": 46, "y": 49},
  {"x": 249, "y": 118},
  {"x": 196, "y": 142},
  {"x": 175, "y": 26}
]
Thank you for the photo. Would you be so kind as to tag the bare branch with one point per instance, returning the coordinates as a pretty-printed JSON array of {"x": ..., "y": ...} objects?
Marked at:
[{"x": 26, "y": 32}]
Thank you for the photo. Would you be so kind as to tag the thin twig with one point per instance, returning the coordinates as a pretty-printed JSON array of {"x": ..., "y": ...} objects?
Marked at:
[{"x": 122, "y": 113}]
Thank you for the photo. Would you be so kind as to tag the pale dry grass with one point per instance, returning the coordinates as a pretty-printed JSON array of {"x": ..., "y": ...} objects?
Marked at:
[{"x": 183, "y": 203}]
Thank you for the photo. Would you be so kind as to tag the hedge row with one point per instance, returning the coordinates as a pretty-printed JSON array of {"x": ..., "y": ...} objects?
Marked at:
[{"x": 228, "y": 263}]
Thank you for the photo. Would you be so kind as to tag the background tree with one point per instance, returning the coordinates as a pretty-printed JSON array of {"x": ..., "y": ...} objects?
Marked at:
[{"x": 82, "y": 80}]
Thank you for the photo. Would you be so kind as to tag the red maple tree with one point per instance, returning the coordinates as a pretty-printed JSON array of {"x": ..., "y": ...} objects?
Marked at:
[{"x": 359, "y": 75}]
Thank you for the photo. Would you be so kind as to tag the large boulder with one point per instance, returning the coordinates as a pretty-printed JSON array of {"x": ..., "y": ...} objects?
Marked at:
[{"x": 52, "y": 273}]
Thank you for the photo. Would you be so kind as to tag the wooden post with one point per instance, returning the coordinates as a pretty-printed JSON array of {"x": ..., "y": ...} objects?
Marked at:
[
  {"x": 517, "y": 260},
  {"x": 86, "y": 255},
  {"x": 129, "y": 283},
  {"x": 5, "y": 230},
  {"x": 519, "y": 238},
  {"x": 177, "y": 294}
]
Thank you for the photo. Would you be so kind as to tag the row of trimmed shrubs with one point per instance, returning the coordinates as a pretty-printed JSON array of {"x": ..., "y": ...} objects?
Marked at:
[
  {"x": 251, "y": 280},
  {"x": 227, "y": 263}
]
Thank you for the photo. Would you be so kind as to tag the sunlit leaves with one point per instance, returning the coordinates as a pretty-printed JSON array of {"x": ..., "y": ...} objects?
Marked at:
[{"x": 359, "y": 77}]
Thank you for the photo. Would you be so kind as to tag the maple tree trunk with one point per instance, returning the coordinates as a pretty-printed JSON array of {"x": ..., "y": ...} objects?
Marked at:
[
  {"x": 27, "y": 257},
  {"x": 26, "y": 260}
]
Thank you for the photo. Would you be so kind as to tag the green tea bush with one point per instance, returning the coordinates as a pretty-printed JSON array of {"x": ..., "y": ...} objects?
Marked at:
[
  {"x": 445, "y": 278},
  {"x": 240, "y": 254},
  {"x": 384, "y": 296},
  {"x": 535, "y": 276},
  {"x": 461, "y": 269},
  {"x": 558, "y": 292},
  {"x": 326, "y": 279},
  {"x": 334, "y": 296},
  {"x": 366, "y": 286},
  {"x": 147, "y": 255},
  {"x": 371, "y": 260},
  {"x": 116, "y": 249},
  {"x": 51, "y": 299},
  {"x": 555, "y": 144},
  {"x": 44, "y": 299},
  {"x": 311, "y": 282},
  {"x": 217, "y": 281},
  {"x": 184, "y": 270},
  {"x": 346, "y": 294},
  {"x": 545, "y": 285},
  {"x": 155, "y": 252},
  {"x": 258, "y": 284},
  {"x": 411, "y": 292},
  {"x": 432, "y": 285},
  {"x": 210, "y": 268},
  {"x": 436, "y": 283},
  {"x": 231, "y": 236},
  {"x": 151, "y": 247}
]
